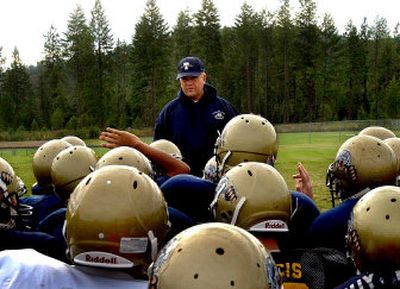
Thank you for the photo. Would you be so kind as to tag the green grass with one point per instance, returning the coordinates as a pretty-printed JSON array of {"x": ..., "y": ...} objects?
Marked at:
[{"x": 316, "y": 150}]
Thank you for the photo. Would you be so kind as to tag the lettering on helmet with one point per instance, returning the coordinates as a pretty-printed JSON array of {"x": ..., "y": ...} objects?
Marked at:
[
  {"x": 97, "y": 259},
  {"x": 102, "y": 259},
  {"x": 270, "y": 226}
]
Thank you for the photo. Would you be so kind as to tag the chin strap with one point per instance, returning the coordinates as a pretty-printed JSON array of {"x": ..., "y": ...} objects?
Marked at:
[
  {"x": 237, "y": 210},
  {"x": 153, "y": 245}
]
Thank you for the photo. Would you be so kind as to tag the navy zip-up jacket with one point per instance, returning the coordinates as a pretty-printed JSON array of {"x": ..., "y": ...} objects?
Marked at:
[{"x": 193, "y": 126}]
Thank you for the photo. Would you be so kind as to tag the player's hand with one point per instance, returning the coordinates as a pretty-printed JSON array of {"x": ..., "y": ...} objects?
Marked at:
[
  {"x": 115, "y": 138},
  {"x": 303, "y": 181}
]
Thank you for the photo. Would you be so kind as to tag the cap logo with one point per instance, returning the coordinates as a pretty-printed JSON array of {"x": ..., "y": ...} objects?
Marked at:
[{"x": 186, "y": 65}]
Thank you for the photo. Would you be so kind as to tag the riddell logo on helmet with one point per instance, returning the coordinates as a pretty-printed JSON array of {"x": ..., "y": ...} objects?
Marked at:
[
  {"x": 270, "y": 226},
  {"x": 274, "y": 225},
  {"x": 102, "y": 260}
]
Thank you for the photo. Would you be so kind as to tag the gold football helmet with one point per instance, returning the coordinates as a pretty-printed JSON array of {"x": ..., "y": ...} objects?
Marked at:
[
  {"x": 125, "y": 155},
  {"x": 214, "y": 255},
  {"x": 374, "y": 233},
  {"x": 74, "y": 140},
  {"x": 394, "y": 143},
  {"x": 116, "y": 217},
  {"x": 246, "y": 137},
  {"x": 253, "y": 196},
  {"x": 377, "y": 131},
  {"x": 70, "y": 166},
  {"x": 362, "y": 162},
  {"x": 43, "y": 158},
  {"x": 168, "y": 147},
  {"x": 11, "y": 188}
]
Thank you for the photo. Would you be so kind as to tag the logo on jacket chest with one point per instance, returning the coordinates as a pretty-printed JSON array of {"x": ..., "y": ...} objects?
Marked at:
[{"x": 219, "y": 115}]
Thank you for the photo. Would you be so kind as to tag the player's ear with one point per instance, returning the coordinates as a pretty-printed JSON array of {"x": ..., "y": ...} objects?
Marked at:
[{"x": 203, "y": 75}]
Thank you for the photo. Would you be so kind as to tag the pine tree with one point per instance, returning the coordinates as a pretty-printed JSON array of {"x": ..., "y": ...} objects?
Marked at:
[
  {"x": 284, "y": 76},
  {"x": 103, "y": 44},
  {"x": 208, "y": 39},
  {"x": 379, "y": 33},
  {"x": 117, "y": 112},
  {"x": 78, "y": 50},
  {"x": 50, "y": 77},
  {"x": 182, "y": 36},
  {"x": 247, "y": 26},
  {"x": 151, "y": 64},
  {"x": 307, "y": 46},
  {"x": 331, "y": 69},
  {"x": 17, "y": 99}
]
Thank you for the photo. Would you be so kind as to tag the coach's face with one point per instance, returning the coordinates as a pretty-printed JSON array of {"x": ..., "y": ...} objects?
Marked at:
[{"x": 193, "y": 86}]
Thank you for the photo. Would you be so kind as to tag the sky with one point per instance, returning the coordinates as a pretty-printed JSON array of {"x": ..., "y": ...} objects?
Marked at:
[{"x": 23, "y": 23}]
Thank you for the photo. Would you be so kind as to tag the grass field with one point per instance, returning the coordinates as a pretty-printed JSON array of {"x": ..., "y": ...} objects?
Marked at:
[{"x": 316, "y": 150}]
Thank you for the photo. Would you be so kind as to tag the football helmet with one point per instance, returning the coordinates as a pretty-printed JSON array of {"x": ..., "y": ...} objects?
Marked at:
[
  {"x": 74, "y": 140},
  {"x": 116, "y": 218},
  {"x": 70, "y": 166},
  {"x": 373, "y": 235},
  {"x": 11, "y": 188},
  {"x": 377, "y": 131},
  {"x": 362, "y": 162},
  {"x": 43, "y": 158},
  {"x": 125, "y": 155},
  {"x": 168, "y": 147},
  {"x": 214, "y": 255},
  {"x": 246, "y": 137},
  {"x": 253, "y": 196},
  {"x": 394, "y": 143}
]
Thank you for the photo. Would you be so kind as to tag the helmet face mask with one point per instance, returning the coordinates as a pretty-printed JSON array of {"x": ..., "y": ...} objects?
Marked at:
[
  {"x": 221, "y": 252},
  {"x": 12, "y": 213}
]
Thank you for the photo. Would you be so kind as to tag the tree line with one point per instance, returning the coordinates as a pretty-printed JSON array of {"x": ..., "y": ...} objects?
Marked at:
[{"x": 287, "y": 67}]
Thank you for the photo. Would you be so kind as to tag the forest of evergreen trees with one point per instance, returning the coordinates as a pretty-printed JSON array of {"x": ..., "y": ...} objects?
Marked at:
[{"x": 288, "y": 68}]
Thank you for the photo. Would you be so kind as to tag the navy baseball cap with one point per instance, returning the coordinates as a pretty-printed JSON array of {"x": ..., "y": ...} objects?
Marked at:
[{"x": 190, "y": 66}]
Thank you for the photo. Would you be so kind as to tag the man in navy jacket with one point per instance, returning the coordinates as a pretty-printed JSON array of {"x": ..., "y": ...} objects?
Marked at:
[{"x": 192, "y": 120}]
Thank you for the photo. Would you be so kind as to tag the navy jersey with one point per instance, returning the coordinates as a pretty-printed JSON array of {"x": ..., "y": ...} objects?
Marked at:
[
  {"x": 329, "y": 229},
  {"x": 193, "y": 126},
  {"x": 373, "y": 281},
  {"x": 317, "y": 268},
  {"x": 193, "y": 195}
]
